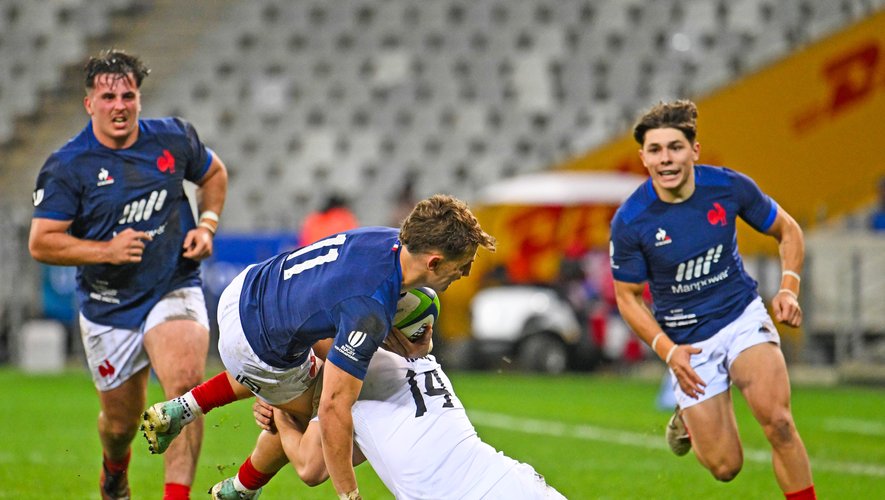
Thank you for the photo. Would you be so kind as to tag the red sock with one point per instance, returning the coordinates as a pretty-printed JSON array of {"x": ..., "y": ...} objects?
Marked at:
[
  {"x": 116, "y": 467},
  {"x": 252, "y": 478},
  {"x": 806, "y": 494},
  {"x": 214, "y": 392},
  {"x": 175, "y": 491}
]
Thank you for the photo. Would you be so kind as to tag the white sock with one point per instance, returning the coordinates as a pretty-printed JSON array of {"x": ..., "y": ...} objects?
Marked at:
[
  {"x": 239, "y": 486},
  {"x": 191, "y": 409}
]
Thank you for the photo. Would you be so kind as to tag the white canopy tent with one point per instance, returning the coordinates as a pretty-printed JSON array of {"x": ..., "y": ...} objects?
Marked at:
[{"x": 562, "y": 188}]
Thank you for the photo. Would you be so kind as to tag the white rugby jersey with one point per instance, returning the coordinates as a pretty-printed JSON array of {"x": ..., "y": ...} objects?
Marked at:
[{"x": 413, "y": 429}]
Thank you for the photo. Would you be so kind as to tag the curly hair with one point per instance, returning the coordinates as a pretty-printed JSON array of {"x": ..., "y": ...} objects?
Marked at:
[
  {"x": 445, "y": 224},
  {"x": 115, "y": 62},
  {"x": 681, "y": 114}
]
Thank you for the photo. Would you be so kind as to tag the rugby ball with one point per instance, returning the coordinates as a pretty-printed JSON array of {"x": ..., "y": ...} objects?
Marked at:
[{"x": 415, "y": 310}]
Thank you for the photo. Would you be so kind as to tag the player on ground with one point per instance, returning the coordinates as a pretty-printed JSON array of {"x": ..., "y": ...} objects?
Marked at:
[
  {"x": 344, "y": 287},
  {"x": 414, "y": 431},
  {"x": 677, "y": 232},
  {"x": 111, "y": 202}
]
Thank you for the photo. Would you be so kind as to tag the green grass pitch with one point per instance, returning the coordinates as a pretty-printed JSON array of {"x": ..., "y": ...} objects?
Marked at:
[{"x": 592, "y": 436}]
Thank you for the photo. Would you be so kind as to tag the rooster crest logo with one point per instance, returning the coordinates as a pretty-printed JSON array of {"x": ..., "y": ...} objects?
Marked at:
[
  {"x": 717, "y": 216},
  {"x": 104, "y": 177},
  {"x": 166, "y": 162},
  {"x": 662, "y": 237}
]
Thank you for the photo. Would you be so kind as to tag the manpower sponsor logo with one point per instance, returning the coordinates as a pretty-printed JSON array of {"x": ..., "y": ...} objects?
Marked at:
[
  {"x": 699, "y": 285},
  {"x": 695, "y": 268}
]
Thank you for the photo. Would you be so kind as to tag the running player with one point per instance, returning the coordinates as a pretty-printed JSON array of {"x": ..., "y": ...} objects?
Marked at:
[
  {"x": 677, "y": 232},
  {"x": 111, "y": 202},
  {"x": 344, "y": 287}
]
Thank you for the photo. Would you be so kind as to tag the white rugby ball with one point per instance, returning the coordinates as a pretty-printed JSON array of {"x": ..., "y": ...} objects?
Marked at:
[{"x": 415, "y": 310}]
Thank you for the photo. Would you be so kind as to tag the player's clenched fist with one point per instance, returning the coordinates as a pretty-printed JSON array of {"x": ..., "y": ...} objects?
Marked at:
[
  {"x": 786, "y": 308},
  {"x": 197, "y": 244}
]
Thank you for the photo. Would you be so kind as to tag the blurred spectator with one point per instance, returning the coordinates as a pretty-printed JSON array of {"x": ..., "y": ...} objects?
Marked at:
[
  {"x": 496, "y": 276},
  {"x": 573, "y": 284},
  {"x": 334, "y": 217},
  {"x": 877, "y": 218}
]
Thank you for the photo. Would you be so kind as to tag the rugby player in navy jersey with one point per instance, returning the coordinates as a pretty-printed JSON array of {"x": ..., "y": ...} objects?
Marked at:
[
  {"x": 345, "y": 287},
  {"x": 677, "y": 232},
  {"x": 111, "y": 202}
]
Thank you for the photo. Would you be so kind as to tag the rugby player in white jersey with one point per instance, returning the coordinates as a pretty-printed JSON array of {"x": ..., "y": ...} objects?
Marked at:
[{"x": 413, "y": 430}]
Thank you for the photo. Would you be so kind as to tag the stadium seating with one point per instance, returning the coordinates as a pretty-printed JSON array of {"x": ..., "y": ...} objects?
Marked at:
[
  {"x": 37, "y": 41},
  {"x": 305, "y": 97}
]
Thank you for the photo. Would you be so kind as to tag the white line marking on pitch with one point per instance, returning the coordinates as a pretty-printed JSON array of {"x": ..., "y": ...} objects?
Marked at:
[
  {"x": 627, "y": 438},
  {"x": 855, "y": 426}
]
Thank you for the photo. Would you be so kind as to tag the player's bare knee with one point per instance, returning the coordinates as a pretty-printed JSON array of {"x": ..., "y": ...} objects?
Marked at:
[
  {"x": 118, "y": 431},
  {"x": 780, "y": 429},
  {"x": 181, "y": 382},
  {"x": 311, "y": 474},
  {"x": 725, "y": 472},
  {"x": 725, "y": 467}
]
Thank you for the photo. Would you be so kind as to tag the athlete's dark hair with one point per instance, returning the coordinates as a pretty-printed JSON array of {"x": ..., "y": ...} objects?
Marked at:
[
  {"x": 681, "y": 114},
  {"x": 115, "y": 62}
]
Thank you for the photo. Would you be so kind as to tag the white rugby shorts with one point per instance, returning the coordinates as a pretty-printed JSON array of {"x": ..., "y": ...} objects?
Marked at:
[
  {"x": 522, "y": 482},
  {"x": 754, "y": 326},
  {"x": 114, "y": 355},
  {"x": 274, "y": 385}
]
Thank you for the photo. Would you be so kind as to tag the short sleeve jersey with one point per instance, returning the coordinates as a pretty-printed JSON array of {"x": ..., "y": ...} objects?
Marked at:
[
  {"x": 345, "y": 286},
  {"x": 413, "y": 429},
  {"x": 688, "y": 251},
  {"x": 104, "y": 191}
]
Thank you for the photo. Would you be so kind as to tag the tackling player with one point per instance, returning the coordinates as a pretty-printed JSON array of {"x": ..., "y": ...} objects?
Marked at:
[
  {"x": 412, "y": 428},
  {"x": 111, "y": 202},
  {"x": 344, "y": 287},
  {"x": 677, "y": 232}
]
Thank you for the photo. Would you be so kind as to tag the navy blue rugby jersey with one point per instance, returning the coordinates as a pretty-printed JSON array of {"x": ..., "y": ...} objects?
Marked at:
[
  {"x": 688, "y": 251},
  {"x": 104, "y": 191},
  {"x": 345, "y": 286}
]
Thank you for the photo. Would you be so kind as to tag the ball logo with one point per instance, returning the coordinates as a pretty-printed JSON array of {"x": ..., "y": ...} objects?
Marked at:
[
  {"x": 356, "y": 338},
  {"x": 716, "y": 215},
  {"x": 166, "y": 162},
  {"x": 37, "y": 196}
]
